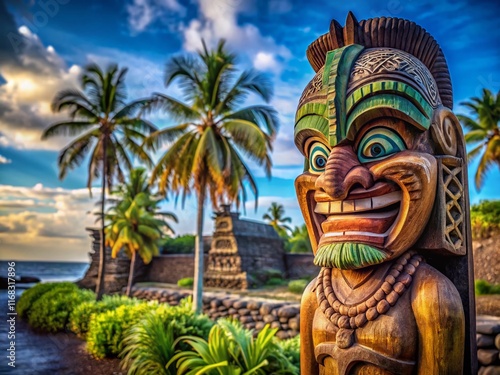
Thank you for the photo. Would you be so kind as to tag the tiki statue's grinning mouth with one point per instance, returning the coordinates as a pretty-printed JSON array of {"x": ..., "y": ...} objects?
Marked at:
[{"x": 365, "y": 216}]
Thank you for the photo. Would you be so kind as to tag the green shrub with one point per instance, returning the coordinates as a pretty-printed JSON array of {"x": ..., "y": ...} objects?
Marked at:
[
  {"x": 265, "y": 274},
  {"x": 483, "y": 287},
  {"x": 291, "y": 350},
  {"x": 275, "y": 281},
  {"x": 231, "y": 349},
  {"x": 297, "y": 286},
  {"x": 186, "y": 282},
  {"x": 50, "y": 312},
  {"x": 485, "y": 219},
  {"x": 32, "y": 294},
  {"x": 149, "y": 345},
  {"x": 107, "y": 329},
  {"x": 179, "y": 245},
  {"x": 80, "y": 317}
]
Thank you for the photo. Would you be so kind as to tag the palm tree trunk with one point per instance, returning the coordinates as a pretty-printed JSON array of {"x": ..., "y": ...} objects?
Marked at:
[
  {"x": 99, "y": 290},
  {"x": 199, "y": 255},
  {"x": 131, "y": 274}
]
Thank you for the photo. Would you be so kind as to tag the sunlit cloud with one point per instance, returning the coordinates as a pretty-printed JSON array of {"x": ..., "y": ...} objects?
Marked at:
[
  {"x": 32, "y": 216},
  {"x": 30, "y": 85},
  {"x": 4, "y": 160}
]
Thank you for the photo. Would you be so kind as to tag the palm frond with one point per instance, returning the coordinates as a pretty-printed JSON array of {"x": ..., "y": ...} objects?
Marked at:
[
  {"x": 67, "y": 128},
  {"x": 264, "y": 116},
  {"x": 177, "y": 110}
]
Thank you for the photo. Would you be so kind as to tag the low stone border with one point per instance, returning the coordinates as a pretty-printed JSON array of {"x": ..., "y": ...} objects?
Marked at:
[
  {"x": 252, "y": 313},
  {"x": 488, "y": 344}
]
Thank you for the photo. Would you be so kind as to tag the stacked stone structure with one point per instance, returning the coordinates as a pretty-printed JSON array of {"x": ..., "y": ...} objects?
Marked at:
[{"x": 240, "y": 249}]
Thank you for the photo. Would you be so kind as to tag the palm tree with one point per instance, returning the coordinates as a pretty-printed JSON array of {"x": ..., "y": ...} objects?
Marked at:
[
  {"x": 299, "y": 241},
  {"x": 108, "y": 131},
  {"x": 133, "y": 219},
  {"x": 484, "y": 132},
  {"x": 206, "y": 146},
  {"x": 274, "y": 217}
]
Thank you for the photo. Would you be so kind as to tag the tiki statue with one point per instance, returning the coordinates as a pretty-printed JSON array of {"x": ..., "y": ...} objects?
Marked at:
[{"x": 385, "y": 201}]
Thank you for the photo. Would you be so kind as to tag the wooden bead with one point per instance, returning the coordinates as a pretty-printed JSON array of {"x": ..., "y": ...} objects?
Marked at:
[
  {"x": 329, "y": 312},
  {"x": 395, "y": 273},
  {"x": 399, "y": 288},
  {"x": 405, "y": 279},
  {"x": 335, "y": 318},
  {"x": 324, "y": 305},
  {"x": 390, "y": 279},
  {"x": 352, "y": 311},
  {"x": 343, "y": 322},
  {"x": 415, "y": 262},
  {"x": 331, "y": 298},
  {"x": 361, "y": 308},
  {"x": 379, "y": 295},
  {"x": 352, "y": 322},
  {"x": 371, "y": 313},
  {"x": 410, "y": 269},
  {"x": 360, "y": 320},
  {"x": 336, "y": 305},
  {"x": 371, "y": 302},
  {"x": 343, "y": 310},
  {"x": 399, "y": 267},
  {"x": 386, "y": 287},
  {"x": 383, "y": 306},
  {"x": 392, "y": 298}
]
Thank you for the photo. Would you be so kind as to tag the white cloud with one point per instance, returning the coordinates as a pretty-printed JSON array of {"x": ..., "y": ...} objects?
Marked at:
[
  {"x": 266, "y": 61},
  {"x": 218, "y": 20},
  {"x": 4, "y": 160},
  {"x": 30, "y": 86},
  {"x": 142, "y": 13}
]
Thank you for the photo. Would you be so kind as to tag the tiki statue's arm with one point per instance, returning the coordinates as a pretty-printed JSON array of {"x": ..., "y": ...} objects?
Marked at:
[
  {"x": 440, "y": 321},
  {"x": 308, "y": 306}
]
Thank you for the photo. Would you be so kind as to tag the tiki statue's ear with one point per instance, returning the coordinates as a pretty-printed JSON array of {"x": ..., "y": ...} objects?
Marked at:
[{"x": 446, "y": 132}]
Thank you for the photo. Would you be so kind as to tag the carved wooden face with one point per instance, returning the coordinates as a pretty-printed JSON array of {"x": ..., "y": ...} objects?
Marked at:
[
  {"x": 367, "y": 195},
  {"x": 377, "y": 190}
]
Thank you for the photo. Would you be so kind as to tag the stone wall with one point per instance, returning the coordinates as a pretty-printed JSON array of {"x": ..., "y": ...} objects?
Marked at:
[
  {"x": 170, "y": 268},
  {"x": 300, "y": 266},
  {"x": 488, "y": 344},
  {"x": 253, "y": 313},
  {"x": 117, "y": 269}
]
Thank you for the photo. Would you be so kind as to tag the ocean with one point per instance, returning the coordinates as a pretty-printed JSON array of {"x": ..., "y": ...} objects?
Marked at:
[{"x": 47, "y": 271}]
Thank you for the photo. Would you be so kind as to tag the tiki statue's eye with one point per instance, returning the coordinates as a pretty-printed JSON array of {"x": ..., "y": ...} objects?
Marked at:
[
  {"x": 318, "y": 155},
  {"x": 378, "y": 144}
]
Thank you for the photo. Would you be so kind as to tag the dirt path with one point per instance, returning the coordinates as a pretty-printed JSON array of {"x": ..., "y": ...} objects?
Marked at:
[{"x": 49, "y": 354}]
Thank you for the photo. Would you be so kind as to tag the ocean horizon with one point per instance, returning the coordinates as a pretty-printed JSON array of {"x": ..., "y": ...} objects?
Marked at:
[{"x": 47, "y": 271}]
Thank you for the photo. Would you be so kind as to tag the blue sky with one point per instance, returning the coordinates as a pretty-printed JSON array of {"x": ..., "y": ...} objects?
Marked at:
[{"x": 44, "y": 44}]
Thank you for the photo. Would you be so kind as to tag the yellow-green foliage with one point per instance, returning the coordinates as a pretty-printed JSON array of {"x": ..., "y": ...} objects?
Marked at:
[
  {"x": 485, "y": 219},
  {"x": 83, "y": 313},
  {"x": 186, "y": 282},
  {"x": 149, "y": 344},
  {"x": 297, "y": 286},
  {"x": 291, "y": 349},
  {"x": 30, "y": 295},
  {"x": 107, "y": 329},
  {"x": 50, "y": 312},
  {"x": 233, "y": 350},
  {"x": 483, "y": 287}
]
